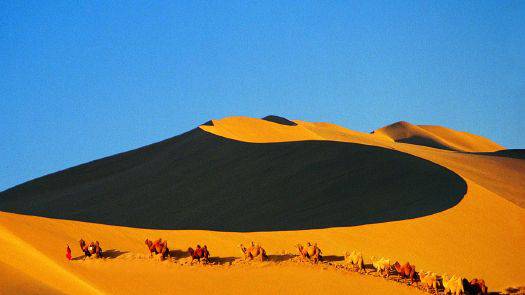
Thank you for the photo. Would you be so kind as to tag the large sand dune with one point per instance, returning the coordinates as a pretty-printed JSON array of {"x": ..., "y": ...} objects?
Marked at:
[
  {"x": 483, "y": 235},
  {"x": 201, "y": 181}
]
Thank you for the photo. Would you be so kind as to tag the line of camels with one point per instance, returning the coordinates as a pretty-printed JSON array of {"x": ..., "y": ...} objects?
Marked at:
[{"x": 428, "y": 281}]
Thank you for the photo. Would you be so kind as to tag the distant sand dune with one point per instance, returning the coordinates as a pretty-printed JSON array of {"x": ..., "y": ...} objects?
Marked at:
[{"x": 438, "y": 137}]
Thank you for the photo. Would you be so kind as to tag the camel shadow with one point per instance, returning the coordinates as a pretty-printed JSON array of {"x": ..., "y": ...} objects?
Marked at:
[
  {"x": 333, "y": 258},
  {"x": 112, "y": 253},
  {"x": 108, "y": 254},
  {"x": 370, "y": 269},
  {"x": 81, "y": 257},
  {"x": 222, "y": 260},
  {"x": 281, "y": 258},
  {"x": 179, "y": 254}
]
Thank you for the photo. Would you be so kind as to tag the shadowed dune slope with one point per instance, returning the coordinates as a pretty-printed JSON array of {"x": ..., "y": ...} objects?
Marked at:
[
  {"x": 437, "y": 137},
  {"x": 202, "y": 181},
  {"x": 511, "y": 153}
]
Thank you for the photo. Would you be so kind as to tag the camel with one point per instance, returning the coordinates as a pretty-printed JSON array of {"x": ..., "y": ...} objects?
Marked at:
[
  {"x": 254, "y": 252},
  {"x": 92, "y": 249},
  {"x": 475, "y": 286},
  {"x": 199, "y": 253},
  {"x": 158, "y": 247},
  {"x": 406, "y": 271},
  {"x": 310, "y": 252},
  {"x": 382, "y": 265},
  {"x": 355, "y": 259},
  {"x": 429, "y": 280},
  {"x": 453, "y": 285}
]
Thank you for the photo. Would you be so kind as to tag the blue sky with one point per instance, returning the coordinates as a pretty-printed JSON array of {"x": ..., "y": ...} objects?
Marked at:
[{"x": 80, "y": 81}]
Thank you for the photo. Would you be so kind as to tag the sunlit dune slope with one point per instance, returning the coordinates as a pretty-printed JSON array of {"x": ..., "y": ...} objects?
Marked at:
[
  {"x": 437, "y": 137},
  {"x": 128, "y": 270},
  {"x": 14, "y": 281},
  {"x": 482, "y": 236}
]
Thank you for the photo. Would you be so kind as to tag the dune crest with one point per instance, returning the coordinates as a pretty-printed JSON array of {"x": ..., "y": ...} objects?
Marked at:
[
  {"x": 266, "y": 130},
  {"x": 278, "y": 129},
  {"x": 437, "y": 137}
]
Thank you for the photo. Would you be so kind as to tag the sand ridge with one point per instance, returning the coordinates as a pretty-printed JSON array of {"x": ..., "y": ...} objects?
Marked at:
[{"x": 438, "y": 137}]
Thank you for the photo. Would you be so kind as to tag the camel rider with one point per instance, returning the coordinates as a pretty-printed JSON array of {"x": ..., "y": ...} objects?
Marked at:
[
  {"x": 157, "y": 243},
  {"x": 86, "y": 251},
  {"x": 198, "y": 251}
]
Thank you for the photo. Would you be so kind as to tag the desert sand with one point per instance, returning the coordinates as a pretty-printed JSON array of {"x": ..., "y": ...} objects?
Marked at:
[{"x": 481, "y": 233}]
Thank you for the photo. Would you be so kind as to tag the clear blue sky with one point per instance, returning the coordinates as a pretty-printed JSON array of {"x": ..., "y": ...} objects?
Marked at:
[{"x": 83, "y": 81}]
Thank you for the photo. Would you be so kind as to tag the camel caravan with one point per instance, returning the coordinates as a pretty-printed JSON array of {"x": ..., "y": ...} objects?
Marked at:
[
  {"x": 354, "y": 261},
  {"x": 428, "y": 281}
]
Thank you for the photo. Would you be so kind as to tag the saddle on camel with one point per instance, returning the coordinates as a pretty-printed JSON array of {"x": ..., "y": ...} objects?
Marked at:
[
  {"x": 255, "y": 251},
  {"x": 158, "y": 247},
  {"x": 199, "y": 253},
  {"x": 310, "y": 252},
  {"x": 92, "y": 249}
]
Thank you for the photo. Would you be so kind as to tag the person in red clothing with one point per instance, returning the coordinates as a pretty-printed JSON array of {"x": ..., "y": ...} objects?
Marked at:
[{"x": 68, "y": 253}]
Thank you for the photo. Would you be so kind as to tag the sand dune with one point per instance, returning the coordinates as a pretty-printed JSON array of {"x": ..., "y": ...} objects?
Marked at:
[
  {"x": 437, "y": 137},
  {"x": 483, "y": 235},
  {"x": 502, "y": 175},
  {"x": 201, "y": 181}
]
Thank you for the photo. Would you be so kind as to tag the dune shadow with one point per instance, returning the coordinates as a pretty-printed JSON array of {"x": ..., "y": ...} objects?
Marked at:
[
  {"x": 281, "y": 258},
  {"x": 278, "y": 186},
  {"x": 419, "y": 140},
  {"x": 279, "y": 120},
  {"x": 510, "y": 153}
]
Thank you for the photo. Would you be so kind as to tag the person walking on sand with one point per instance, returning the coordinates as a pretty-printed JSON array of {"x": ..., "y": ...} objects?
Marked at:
[{"x": 68, "y": 253}]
